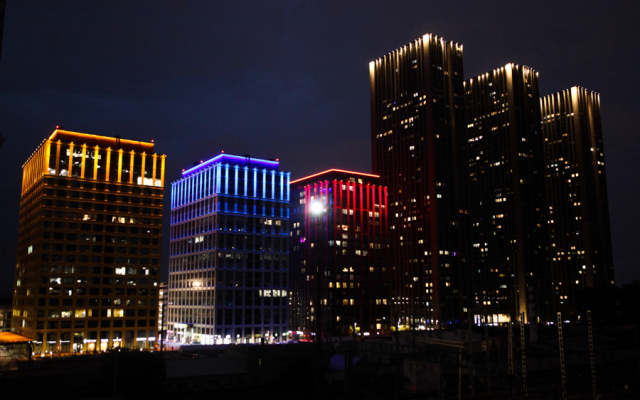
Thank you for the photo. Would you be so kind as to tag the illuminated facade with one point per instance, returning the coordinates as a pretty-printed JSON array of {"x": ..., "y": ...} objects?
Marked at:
[
  {"x": 418, "y": 145},
  {"x": 581, "y": 255},
  {"x": 228, "y": 269},
  {"x": 89, "y": 244},
  {"x": 339, "y": 227},
  {"x": 506, "y": 195}
]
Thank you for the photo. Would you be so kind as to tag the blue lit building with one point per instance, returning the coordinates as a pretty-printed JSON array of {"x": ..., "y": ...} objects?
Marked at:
[{"x": 229, "y": 257}]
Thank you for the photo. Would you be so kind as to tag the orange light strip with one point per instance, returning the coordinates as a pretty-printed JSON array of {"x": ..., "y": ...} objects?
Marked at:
[
  {"x": 334, "y": 170},
  {"x": 89, "y": 135}
]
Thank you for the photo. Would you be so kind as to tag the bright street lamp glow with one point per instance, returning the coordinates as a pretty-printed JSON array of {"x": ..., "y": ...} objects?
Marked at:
[{"x": 316, "y": 207}]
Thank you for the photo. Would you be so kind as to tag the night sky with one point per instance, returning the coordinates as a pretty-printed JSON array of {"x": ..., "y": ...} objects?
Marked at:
[{"x": 290, "y": 80}]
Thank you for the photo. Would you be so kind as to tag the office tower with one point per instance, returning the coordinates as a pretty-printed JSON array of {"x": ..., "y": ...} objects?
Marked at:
[
  {"x": 338, "y": 254},
  {"x": 89, "y": 243},
  {"x": 581, "y": 255},
  {"x": 506, "y": 194},
  {"x": 229, "y": 254},
  {"x": 417, "y": 125}
]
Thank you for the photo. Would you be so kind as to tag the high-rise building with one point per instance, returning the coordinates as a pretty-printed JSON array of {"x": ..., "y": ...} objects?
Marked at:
[
  {"x": 339, "y": 248},
  {"x": 89, "y": 243},
  {"x": 581, "y": 255},
  {"x": 418, "y": 149},
  {"x": 229, "y": 253},
  {"x": 506, "y": 194}
]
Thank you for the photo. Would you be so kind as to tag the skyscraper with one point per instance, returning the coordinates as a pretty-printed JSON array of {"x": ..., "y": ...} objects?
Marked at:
[
  {"x": 417, "y": 134},
  {"x": 506, "y": 194},
  {"x": 339, "y": 254},
  {"x": 228, "y": 268},
  {"x": 581, "y": 255},
  {"x": 89, "y": 243}
]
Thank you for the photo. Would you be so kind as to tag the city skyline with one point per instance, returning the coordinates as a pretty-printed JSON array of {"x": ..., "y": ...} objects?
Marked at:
[{"x": 297, "y": 104}]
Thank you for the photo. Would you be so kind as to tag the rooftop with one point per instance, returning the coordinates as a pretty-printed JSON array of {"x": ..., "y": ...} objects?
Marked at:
[{"x": 242, "y": 161}]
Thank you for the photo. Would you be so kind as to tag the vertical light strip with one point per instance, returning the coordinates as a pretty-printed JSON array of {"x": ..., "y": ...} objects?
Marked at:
[
  {"x": 175, "y": 192},
  {"x": 47, "y": 156},
  {"x": 191, "y": 191},
  {"x": 208, "y": 184},
  {"x": 173, "y": 187},
  {"x": 133, "y": 157},
  {"x": 120, "y": 151},
  {"x": 70, "y": 159},
  {"x": 218, "y": 175},
  {"x": 236, "y": 172},
  {"x": 162, "y": 159},
  {"x": 187, "y": 192},
  {"x": 198, "y": 185},
  {"x": 143, "y": 167},
  {"x": 255, "y": 183},
  {"x": 96, "y": 155},
  {"x": 108, "y": 164},
  {"x": 288, "y": 186},
  {"x": 212, "y": 178},
  {"x": 83, "y": 161},
  {"x": 181, "y": 199},
  {"x": 226, "y": 179},
  {"x": 246, "y": 177},
  {"x": 154, "y": 170},
  {"x": 58, "y": 157},
  {"x": 273, "y": 185}
]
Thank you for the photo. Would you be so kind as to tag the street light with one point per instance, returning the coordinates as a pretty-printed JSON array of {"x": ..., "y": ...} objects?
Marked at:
[{"x": 317, "y": 210}]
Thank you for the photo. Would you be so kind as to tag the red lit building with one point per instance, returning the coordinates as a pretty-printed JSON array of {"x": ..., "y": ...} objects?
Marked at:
[{"x": 339, "y": 233}]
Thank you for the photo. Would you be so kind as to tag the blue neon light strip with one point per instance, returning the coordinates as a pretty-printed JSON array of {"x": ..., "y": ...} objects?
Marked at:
[
  {"x": 209, "y": 182},
  {"x": 233, "y": 160}
]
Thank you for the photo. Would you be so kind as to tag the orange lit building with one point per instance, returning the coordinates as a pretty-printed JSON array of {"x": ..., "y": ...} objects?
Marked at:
[{"x": 88, "y": 259}]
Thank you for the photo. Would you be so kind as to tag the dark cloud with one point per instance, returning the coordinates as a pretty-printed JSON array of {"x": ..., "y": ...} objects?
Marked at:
[{"x": 288, "y": 79}]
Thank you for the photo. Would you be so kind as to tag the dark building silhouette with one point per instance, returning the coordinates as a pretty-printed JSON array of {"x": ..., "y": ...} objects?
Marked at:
[
  {"x": 89, "y": 240},
  {"x": 3, "y": 6},
  {"x": 506, "y": 194},
  {"x": 418, "y": 149},
  {"x": 581, "y": 255},
  {"x": 339, "y": 237}
]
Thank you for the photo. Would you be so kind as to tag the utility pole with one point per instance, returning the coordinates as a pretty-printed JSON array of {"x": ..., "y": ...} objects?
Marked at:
[
  {"x": 524, "y": 357},
  {"x": 487, "y": 348},
  {"x": 115, "y": 375},
  {"x": 162, "y": 323},
  {"x": 562, "y": 366},
  {"x": 397, "y": 360},
  {"x": 510, "y": 348},
  {"x": 318, "y": 213},
  {"x": 592, "y": 356},
  {"x": 472, "y": 371},
  {"x": 460, "y": 373}
]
